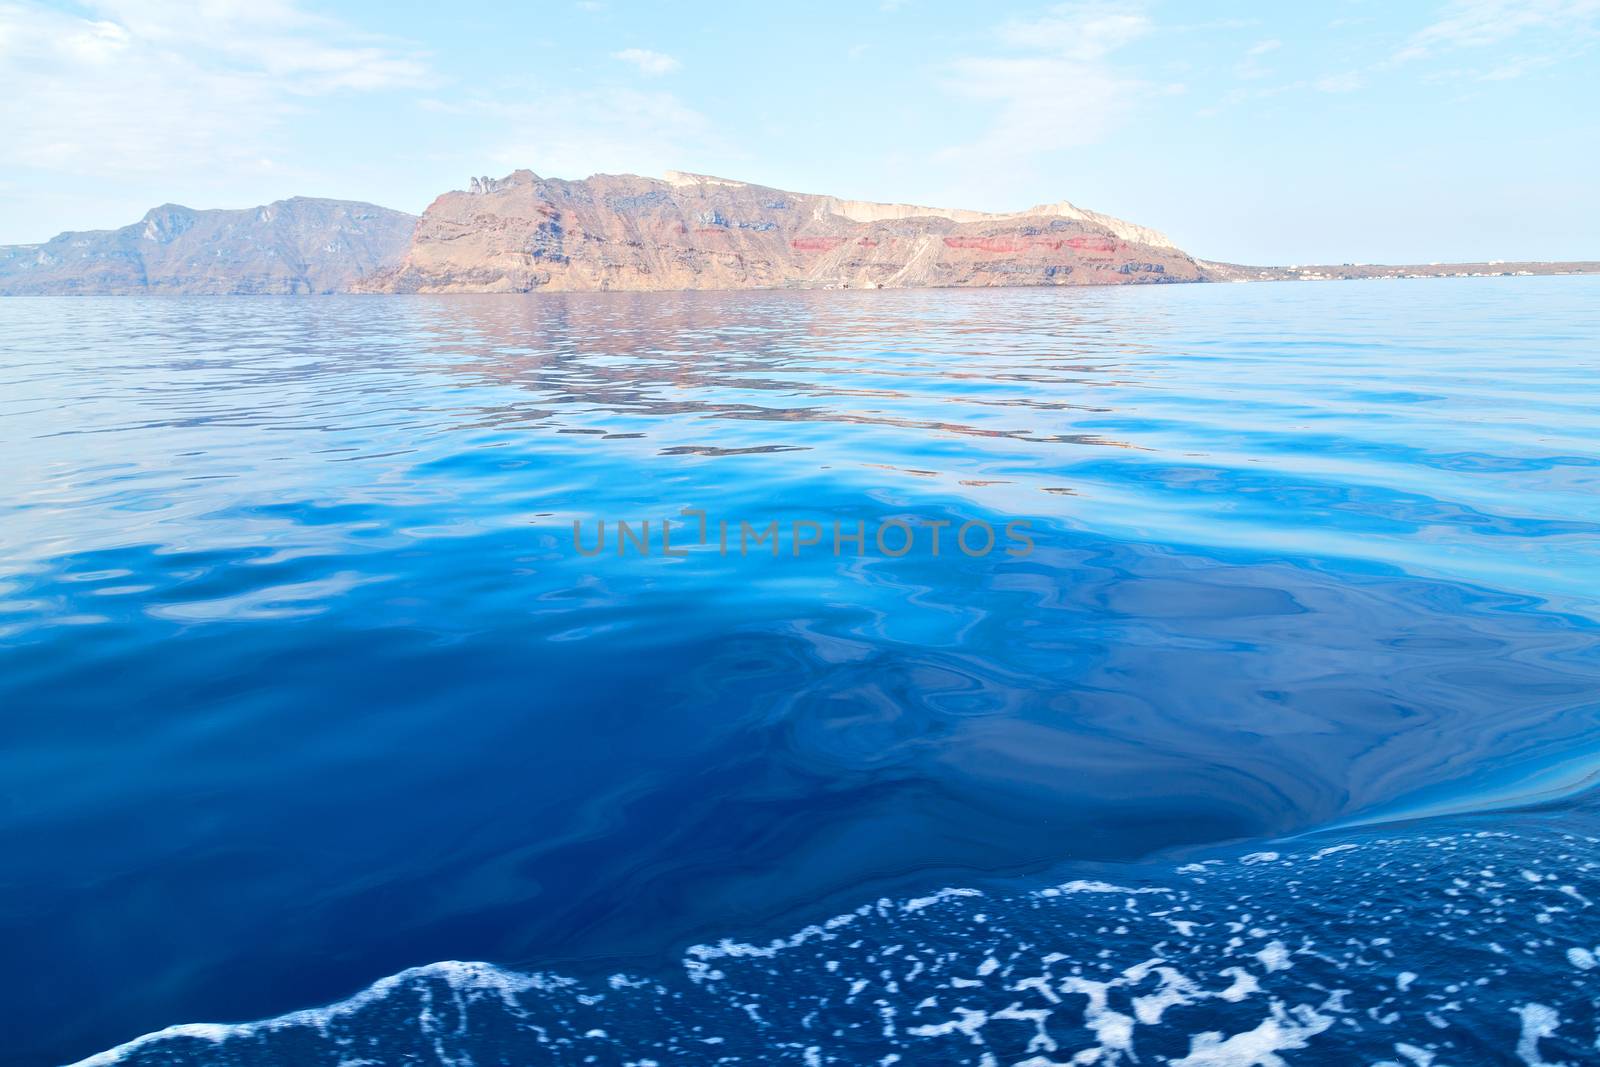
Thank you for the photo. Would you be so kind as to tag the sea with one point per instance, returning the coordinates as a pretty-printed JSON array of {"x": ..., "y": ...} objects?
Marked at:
[{"x": 1189, "y": 674}]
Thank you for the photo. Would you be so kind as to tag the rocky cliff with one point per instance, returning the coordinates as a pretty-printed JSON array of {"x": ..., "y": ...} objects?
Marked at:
[
  {"x": 524, "y": 233},
  {"x": 302, "y": 245},
  {"x": 691, "y": 231}
]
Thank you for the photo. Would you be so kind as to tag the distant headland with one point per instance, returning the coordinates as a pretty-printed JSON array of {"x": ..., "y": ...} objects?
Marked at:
[{"x": 523, "y": 233}]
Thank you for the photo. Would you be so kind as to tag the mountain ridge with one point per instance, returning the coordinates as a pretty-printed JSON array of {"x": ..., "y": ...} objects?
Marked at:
[
  {"x": 299, "y": 245},
  {"x": 524, "y": 233},
  {"x": 693, "y": 231}
]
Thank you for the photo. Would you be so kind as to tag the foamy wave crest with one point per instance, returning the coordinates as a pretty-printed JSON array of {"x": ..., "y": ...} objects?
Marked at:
[{"x": 1473, "y": 946}]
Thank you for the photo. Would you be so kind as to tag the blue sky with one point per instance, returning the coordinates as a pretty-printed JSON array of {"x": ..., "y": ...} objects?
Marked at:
[{"x": 1352, "y": 130}]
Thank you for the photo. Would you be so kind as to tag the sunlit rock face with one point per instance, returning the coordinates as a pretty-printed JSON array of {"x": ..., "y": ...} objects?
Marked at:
[
  {"x": 690, "y": 231},
  {"x": 300, "y": 245}
]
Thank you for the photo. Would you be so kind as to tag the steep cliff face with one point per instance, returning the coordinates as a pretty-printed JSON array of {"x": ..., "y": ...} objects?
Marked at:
[
  {"x": 302, "y": 245},
  {"x": 690, "y": 231}
]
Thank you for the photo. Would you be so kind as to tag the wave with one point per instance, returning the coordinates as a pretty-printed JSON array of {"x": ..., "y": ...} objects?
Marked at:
[{"x": 1428, "y": 943}]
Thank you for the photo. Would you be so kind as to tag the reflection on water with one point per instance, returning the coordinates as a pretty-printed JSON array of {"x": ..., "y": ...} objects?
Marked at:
[{"x": 298, "y": 663}]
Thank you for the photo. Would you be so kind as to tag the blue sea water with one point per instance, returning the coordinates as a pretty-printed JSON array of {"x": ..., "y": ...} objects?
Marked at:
[{"x": 304, "y": 681}]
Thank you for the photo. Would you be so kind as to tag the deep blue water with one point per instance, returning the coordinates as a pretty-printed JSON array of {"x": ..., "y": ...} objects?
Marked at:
[{"x": 303, "y": 681}]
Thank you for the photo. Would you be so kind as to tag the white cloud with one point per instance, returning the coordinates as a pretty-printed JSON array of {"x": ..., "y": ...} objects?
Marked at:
[
  {"x": 152, "y": 86},
  {"x": 1261, "y": 48},
  {"x": 1348, "y": 82},
  {"x": 1545, "y": 31},
  {"x": 1480, "y": 23},
  {"x": 311, "y": 53},
  {"x": 1058, "y": 89},
  {"x": 1516, "y": 68},
  {"x": 1081, "y": 31},
  {"x": 575, "y": 133},
  {"x": 1044, "y": 102},
  {"x": 652, "y": 63}
]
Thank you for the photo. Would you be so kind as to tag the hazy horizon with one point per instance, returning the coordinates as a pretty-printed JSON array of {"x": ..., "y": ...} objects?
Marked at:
[{"x": 1414, "y": 133}]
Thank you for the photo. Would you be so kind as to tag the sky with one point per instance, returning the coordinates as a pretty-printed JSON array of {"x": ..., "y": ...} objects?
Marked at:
[{"x": 1342, "y": 131}]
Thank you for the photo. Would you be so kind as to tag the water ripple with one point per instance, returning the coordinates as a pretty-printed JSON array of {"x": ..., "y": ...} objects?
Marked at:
[{"x": 298, "y": 663}]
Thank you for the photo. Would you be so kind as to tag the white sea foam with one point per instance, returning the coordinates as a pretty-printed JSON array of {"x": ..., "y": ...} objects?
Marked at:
[
  {"x": 1278, "y": 1032},
  {"x": 1538, "y": 1022},
  {"x": 1201, "y": 973},
  {"x": 1080, "y": 885},
  {"x": 1275, "y": 957},
  {"x": 918, "y": 903},
  {"x": 459, "y": 976}
]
